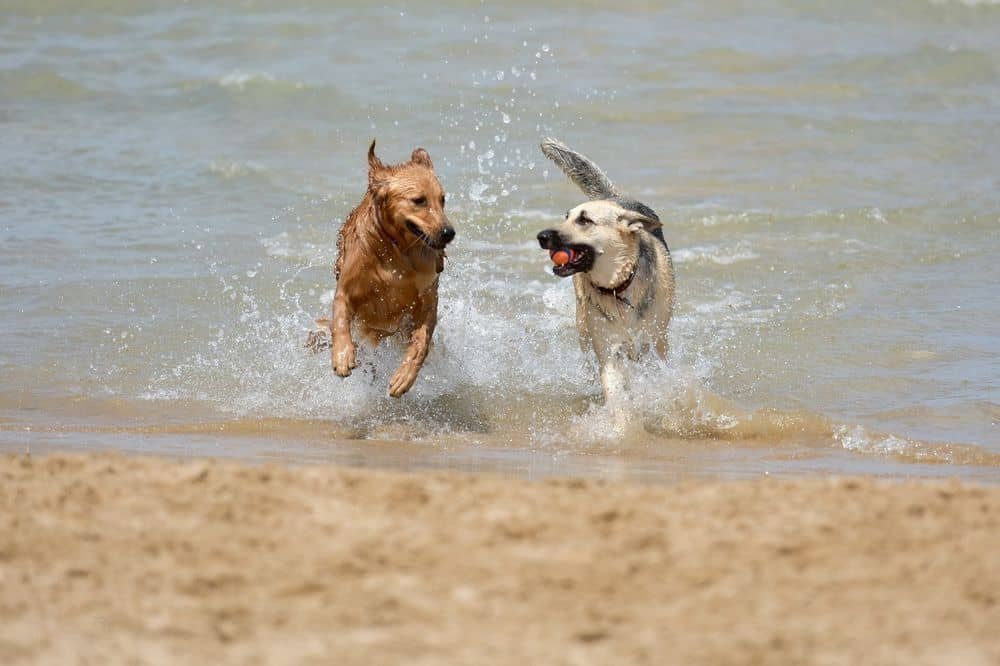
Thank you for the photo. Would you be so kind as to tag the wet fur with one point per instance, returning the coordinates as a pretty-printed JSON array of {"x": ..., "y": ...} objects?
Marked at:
[
  {"x": 626, "y": 236},
  {"x": 390, "y": 252}
]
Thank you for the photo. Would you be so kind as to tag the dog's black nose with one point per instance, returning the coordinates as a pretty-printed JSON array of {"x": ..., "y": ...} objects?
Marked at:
[
  {"x": 548, "y": 238},
  {"x": 448, "y": 235}
]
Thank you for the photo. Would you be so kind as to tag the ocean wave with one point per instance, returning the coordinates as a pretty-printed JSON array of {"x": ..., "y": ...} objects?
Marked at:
[
  {"x": 40, "y": 83},
  {"x": 240, "y": 87},
  {"x": 520, "y": 379},
  {"x": 735, "y": 218},
  {"x": 233, "y": 169},
  {"x": 733, "y": 61},
  {"x": 947, "y": 66},
  {"x": 715, "y": 254},
  {"x": 240, "y": 81},
  {"x": 859, "y": 439},
  {"x": 314, "y": 253},
  {"x": 535, "y": 215}
]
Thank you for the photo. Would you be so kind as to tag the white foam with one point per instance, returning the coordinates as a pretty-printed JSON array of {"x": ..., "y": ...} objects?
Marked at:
[
  {"x": 239, "y": 80},
  {"x": 229, "y": 169},
  {"x": 858, "y": 438},
  {"x": 716, "y": 254},
  {"x": 299, "y": 249},
  {"x": 277, "y": 246},
  {"x": 534, "y": 214},
  {"x": 716, "y": 219}
]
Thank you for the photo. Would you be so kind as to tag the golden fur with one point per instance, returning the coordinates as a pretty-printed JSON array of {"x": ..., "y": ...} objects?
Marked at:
[{"x": 389, "y": 254}]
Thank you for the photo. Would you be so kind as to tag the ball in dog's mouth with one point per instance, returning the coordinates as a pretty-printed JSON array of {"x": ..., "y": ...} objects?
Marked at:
[
  {"x": 562, "y": 256},
  {"x": 571, "y": 259}
]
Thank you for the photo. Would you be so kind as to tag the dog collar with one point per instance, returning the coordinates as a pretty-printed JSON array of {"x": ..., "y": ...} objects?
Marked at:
[{"x": 618, "y": 290}]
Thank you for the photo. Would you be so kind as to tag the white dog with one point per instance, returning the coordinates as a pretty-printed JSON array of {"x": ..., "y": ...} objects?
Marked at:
[{"x": 614, "y": 248}]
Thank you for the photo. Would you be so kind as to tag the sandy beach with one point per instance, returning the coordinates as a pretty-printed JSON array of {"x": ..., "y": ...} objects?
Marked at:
[
  {"x": 810, "y": 476},
  {"x": 111, "y": 559}
]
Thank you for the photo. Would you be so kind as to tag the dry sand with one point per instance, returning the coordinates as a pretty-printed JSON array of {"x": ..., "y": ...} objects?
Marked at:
[{"x": 107, "y": 559}]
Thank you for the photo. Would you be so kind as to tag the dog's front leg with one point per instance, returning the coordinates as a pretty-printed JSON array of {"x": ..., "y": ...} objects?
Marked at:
[
  {"x": 425, "y": 319},
  {"x": 343, "y": 351},
  {"x": 612, "y": 357},
  {"x": 613, "y": 379}
]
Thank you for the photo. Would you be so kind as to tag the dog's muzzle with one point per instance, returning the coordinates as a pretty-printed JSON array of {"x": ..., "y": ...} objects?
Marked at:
[
  {"x": 549, "y": 239},
  {"x": 583, "y": 255},
  {"x": 438, "y": 241}
]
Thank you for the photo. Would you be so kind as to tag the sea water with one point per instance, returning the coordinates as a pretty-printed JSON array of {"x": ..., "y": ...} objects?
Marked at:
[{"x": 174, "y": 176}]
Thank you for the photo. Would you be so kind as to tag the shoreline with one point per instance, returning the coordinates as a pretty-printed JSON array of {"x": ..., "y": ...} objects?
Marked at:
[{"x": 112, "y": 558}]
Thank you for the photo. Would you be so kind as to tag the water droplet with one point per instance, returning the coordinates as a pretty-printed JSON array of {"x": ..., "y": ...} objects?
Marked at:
[{"x": 506, "y": 118}]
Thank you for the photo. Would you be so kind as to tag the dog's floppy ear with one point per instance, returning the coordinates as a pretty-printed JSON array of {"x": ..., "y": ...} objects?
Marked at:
[
  {"x": 420, "y": 156},
  {"x": 374, "y": 164},
  {"x": 637, "y": 221}
]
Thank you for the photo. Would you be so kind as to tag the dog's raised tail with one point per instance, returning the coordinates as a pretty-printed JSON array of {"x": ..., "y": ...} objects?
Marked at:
[{"x": 580, "y": 169}]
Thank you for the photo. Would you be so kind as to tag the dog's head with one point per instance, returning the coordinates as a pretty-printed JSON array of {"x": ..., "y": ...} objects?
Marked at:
[
  {"x": 598, "y": 237},
  {"x": 410, "y": 200}
]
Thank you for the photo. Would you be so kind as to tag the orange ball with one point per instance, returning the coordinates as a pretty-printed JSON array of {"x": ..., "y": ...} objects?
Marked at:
[{"x": 561, "y": 257}]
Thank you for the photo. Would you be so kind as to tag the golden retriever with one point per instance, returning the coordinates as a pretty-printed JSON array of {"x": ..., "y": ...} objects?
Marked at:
[{"x": 390, "y": 252}]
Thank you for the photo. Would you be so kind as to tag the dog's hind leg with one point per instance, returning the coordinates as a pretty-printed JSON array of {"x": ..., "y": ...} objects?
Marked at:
[{"x": 319, "y": 339}]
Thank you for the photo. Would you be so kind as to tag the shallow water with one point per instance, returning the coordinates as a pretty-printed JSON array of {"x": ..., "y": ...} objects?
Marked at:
[{"x": 174, "y": 178}]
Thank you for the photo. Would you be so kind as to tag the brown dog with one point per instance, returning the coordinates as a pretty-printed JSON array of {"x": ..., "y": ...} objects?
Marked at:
[{"x": 389, "y": 254}]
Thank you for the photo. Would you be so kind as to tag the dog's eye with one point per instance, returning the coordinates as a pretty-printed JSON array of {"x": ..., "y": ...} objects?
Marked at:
[
  {"x": 583, "y": 221},
  {"x": 419, "y": 201}
]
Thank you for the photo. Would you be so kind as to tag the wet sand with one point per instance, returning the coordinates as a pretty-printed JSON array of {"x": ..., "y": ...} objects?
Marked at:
[{"x": 111, "y": 559}]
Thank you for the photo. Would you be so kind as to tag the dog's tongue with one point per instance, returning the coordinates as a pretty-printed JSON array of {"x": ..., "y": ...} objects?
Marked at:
[{"x": 562, "y": 256}]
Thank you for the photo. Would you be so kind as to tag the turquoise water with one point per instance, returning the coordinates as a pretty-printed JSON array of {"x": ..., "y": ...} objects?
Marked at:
[{"x": 174, "y": 178}]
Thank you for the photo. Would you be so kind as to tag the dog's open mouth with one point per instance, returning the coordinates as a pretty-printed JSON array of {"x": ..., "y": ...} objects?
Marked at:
[
  {"x": 415, "y": 230},
  {"x": 570, "y": 259}
]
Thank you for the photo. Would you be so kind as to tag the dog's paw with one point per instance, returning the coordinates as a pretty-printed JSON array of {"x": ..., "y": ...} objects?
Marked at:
[
  {"x": 344, "y": 360},
  {"x": 404, "y": 378}
]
